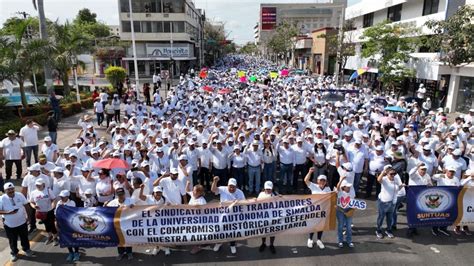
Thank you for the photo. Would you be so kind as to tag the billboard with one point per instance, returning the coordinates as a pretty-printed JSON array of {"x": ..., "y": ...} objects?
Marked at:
[{"x": 268, "y": 18}]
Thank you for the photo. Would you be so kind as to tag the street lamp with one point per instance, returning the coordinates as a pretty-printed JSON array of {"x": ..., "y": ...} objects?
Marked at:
[
  {"x": 134, "y": 48},
  {"x": 74, "y": 70}
]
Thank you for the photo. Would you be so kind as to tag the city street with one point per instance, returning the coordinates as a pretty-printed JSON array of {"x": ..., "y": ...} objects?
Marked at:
[{"x": 424, "y": 249}]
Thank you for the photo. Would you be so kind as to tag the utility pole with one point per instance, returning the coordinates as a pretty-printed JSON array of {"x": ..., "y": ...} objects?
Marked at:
[
  {"x": 29, "y": 36},
  {"x": 44, "y": 36},
  {"x": 340, "y": 40},
  {"x": 135, "y": 63}
]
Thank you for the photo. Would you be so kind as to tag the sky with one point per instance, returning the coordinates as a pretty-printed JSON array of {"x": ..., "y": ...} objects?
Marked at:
[{"x": 240, "y": 16}]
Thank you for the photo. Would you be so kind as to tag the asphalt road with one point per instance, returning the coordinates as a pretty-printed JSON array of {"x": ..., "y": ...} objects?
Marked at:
[{"x": 424, "y": 249}]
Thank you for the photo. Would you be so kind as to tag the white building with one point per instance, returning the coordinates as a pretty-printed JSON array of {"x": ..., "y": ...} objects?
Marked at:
[
  {"x": 114, "y": 30},
  {"x": 448, "y": 87},
  {"x": 168, "y": 34}
]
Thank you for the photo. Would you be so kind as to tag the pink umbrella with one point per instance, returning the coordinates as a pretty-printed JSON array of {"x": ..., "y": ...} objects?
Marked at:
[
  {"x": 224, "y": 91},
  {"x": 207, "y": 88},
  {"x": 243, "y": 79},
  {"x": 387, "y": 120},
  {"x": 285, "y": 72},
  {"x": 111, "y": 163}
]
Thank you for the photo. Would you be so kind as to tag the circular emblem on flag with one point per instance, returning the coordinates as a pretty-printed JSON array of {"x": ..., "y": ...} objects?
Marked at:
[{"x": 434, "y": 200}]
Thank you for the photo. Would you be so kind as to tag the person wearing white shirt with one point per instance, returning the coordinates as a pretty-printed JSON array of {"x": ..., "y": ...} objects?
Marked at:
[
  {"x": 254, "y": 160},
  {"x": 11, "y": 150},
  {"x": 359, "y": 158},
  {"x": 265, "y": 194},
  {"x": 99, "y": 111},
  {"x": 193, "y": 156},
  {"x": 42, "y": 200},
  {"x": 316, "y": 188},
  {"x": 390, "y": 185},
  {"x": 29, "y": 136},
  {"x": 287, "y": 162},
  {"x": 238, "y": 161},
  {"x": 418, "y": 176},
  {"x": 219, "y": 161},
  {"x": 229, "y": 193},
  {"x": 377, "y": 161},
  {"x": 205, "y": 165},
  {"x": 269, "y": 161},
  {"x": 50, "y": 150},
  {"x": 122, "y": 201},
  {"x": 60, "y": 181},
  {"x": 173, "y": 188},
  {"x": 456, "y": 162},
  {"x": 103, "y": 188},
  {"x": 449, "y": 178},
  {"x": 12, "y": 209},
  {"x": 300, "y": 168},
  {"x": 64, "y": 200}
]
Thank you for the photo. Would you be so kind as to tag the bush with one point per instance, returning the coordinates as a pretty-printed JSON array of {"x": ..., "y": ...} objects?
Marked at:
[
  {"x": 15, "y": 124},
  {"x": 41, "y": 119},
  {"x": 87, "y": 103},
  {"x": 35, "y": 110},
  {"x": 70, "y": 109}
]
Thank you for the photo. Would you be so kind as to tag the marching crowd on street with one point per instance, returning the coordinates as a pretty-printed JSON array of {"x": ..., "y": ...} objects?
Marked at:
[{"x": 217, "y": 135}]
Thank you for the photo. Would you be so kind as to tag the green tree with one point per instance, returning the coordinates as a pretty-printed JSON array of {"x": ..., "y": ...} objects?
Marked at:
[
  {"x": 19, "y": 56},
  {"x": 68, "y": 43},
  {"x": 86, "y": 21},
  {"x": 115, "y": 75},
  {"x": 282, "y": 41},
  {"x": 249, "y": 48},
  {"x": 454, "y": 36},
  {"x": 390, "y": 45},
  {"x": 216, "y": 44}
]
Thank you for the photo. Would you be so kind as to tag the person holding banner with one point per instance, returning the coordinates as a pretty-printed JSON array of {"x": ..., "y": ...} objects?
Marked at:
[
  {"x": 74, "y": 254},
  {"x": 319, "y": 188},
  {"x": 265, "y": 194},
  {"x": 197, "y": 198},
  {"x": 121, "y": 201},
  {"x": 344, "y": 213},
  {"x": 42, "y": 200},
  {"x": 229, "y": 193},
  {"x": 418, "y": 177},
  {"x": 447, "y": 179},
  {"x": 390, "y": 183}
]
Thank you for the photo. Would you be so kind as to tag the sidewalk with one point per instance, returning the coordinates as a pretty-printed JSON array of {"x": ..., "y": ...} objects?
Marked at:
[{"x": 67, "y": 133}]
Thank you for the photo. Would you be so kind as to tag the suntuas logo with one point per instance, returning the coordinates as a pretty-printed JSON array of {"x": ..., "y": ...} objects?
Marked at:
[{"x": 434, "y": 200}]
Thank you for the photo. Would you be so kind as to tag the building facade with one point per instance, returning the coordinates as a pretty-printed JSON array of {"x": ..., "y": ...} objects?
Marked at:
[
  {"x": 168, "y": 35},
  {"x": 306, "y": 17},
  {"x": 448, "y": 87}
]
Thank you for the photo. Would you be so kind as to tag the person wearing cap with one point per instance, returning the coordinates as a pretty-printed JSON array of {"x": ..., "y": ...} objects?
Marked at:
[
  {"x": 455, "y": 161},
  {"x": 359, "y": 157},
  {"x": 229, "y": 193},
  {"x": 344, "y": 213},
  {"x": 192, "y": 155},
  {"x": 254, "y": 160},
  {"x": 160, "y": 162},
  {"x": 238, "y": 161},
  {"x": 50, "y": 150},
  {"x": 219, "y": 160},
  {"x": 196, "y": 195},
  {"x": 427, "y": 157},
  {"x": 60, "y": 182},
  {"x": 269, "y": 161},
  {"x": 418, "y": 176},
  {"x": 42, "y": 199},
  {"x": 448, "y": 178},
  {"x": 122, "y": 201},
  {"x": 74, "y": 254},
  {"x": 301, "y": 156},
  {"x": 265, "y": 194},
  {"x": 99, "y": 112},
  {"x": 316, "y": 188},
  {"x": 28, "y": 185},
  {"x": 173, "y": 188},
  {"x": 13, "y": 211},
  {"x": 122, "y": 181},
  {"x": 185, "y": 171},
  {"x": 390, "y": 185},
  {"x": 205, "y": 165},
  {"x": 29, "y": 136},
  {"x": 104, "y": 188},
  {"x": 11, "y": 151},
  {"x": 287, "y": 163}
]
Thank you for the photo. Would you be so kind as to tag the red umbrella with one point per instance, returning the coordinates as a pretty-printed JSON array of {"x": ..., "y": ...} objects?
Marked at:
[
  {"x": 207, "y": 88},
  {"x": 224, "y": 91},
  {"x": 111, "y": 163}
]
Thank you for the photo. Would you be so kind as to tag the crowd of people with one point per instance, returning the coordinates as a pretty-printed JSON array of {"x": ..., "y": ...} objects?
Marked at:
[{"x": 218, "y": 135}]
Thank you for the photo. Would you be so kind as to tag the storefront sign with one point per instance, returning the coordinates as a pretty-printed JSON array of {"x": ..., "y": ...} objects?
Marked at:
[
  {"x": 166, "y": 51},
  {"x": 268, "y": 18}
]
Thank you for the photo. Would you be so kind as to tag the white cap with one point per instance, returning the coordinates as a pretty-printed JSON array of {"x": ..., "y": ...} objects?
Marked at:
[
  {"x": 64, "y": 193},
  {"x": 358, "y": 141},
  {"x": 299, "y": 139},
  {"x": 48, "y": 138},
  {"x": 157, "y": 189},
  {"x": 8, "y": 186},
  {"x": 268, "y": 185},
  {"x": 39, "y": 181},
  {"x": 58, "y": 169},
  {"x": 451, "y": 168},
  {"x": 232, "y": 182},
  {"x": 344, "y": 183},
  {"x": 379, "y": 148},
  {"x": 322, "y": 177},
  {"x": 174, "y": 171},
  {"x": 183, "y": 157},
  {"x": 457, "y": 152},
  {"x": 35, "y": 167},
  {"x": 347, "y": 166},
  {"x": 88, "y": 191}
]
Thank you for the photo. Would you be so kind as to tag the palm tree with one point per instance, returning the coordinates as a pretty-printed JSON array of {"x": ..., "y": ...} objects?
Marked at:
[
  {"x": 20, "y": 55},
  {"x": 69, "y": 41}
]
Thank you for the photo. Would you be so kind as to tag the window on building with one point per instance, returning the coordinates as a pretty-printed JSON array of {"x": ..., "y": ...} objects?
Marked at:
[
  {"x": 124, "y": 7},
  {"x": 136, "y": 26},
  {"x": 126, "y": 26},
  {"x": 430, "y": 7},
  {"x": 157, "y": 26},
  {"x": 146, "y": 26},
  {"x": 178, "y": 26},
  {"x": 173, "y": 6},
  {"x": 394, "y": 13},
  {"x": 166, "y": 26},
  {"x": 368, "y": 20}
]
